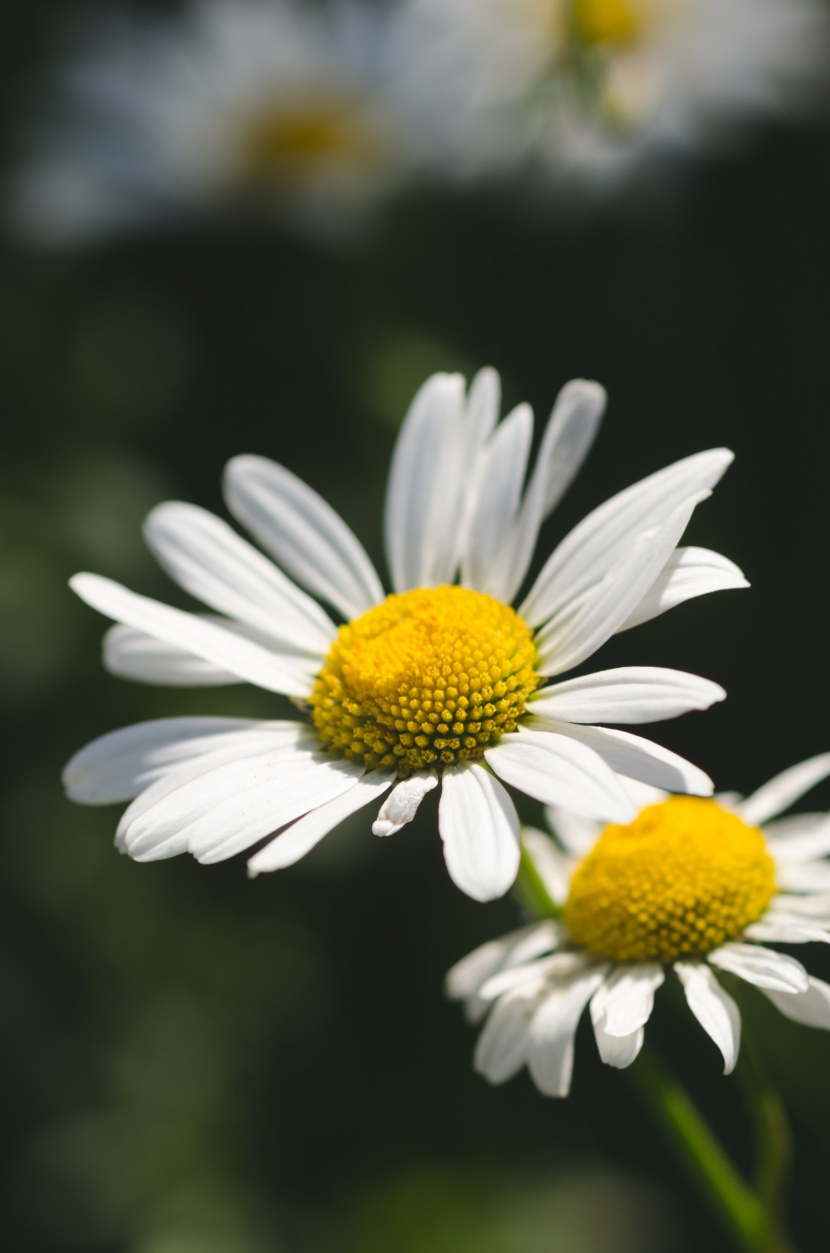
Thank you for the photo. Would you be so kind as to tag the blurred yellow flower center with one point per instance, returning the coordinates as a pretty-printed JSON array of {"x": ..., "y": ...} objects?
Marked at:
[
  {"x": 427, "y": 678},
  {"x": 681, "y": 879},
  {"x": 292, "y": 140},
  {"x": 607, "y": 21}
]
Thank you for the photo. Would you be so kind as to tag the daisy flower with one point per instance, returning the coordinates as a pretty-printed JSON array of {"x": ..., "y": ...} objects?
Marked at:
[
  {"x": 691, "y": 887},
  {"x": 592, "y": 87},
  {"x": 438, "y": 682},
  {"x": 264, "y": 105}
]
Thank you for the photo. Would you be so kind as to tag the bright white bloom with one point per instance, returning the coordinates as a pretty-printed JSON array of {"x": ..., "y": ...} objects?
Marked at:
[
  {"x": 268, "y": 106},
  {"x": 689, "y": 888},
  {"x": 590, "y": 87},
  {"x": 436, "y": 683}
]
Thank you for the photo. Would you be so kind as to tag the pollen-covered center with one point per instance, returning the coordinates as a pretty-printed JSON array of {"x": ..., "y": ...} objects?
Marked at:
[
  {"x": 427, "y": 678},
  {"x": 292, "y": 140},
  {"x": 681, "y": 879}
]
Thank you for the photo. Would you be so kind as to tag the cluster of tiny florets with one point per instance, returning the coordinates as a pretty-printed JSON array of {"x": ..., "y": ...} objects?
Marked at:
[
  {"x": 683, "y": 878},
  {"x": 428, "y": 678}
]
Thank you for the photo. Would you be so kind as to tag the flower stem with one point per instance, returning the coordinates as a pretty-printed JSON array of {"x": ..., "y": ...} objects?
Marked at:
[
  {"x": 774, "y": 1147},
  {"x": 742, "y": 1211},
  {"x": 532, "y": 892}
]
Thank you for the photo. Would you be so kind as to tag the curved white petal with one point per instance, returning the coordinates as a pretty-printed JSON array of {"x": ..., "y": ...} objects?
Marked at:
[
  {"x": 625, "y": 1001},
  {"x": 298, "y": 839},
  {"x": 119, "y": 765},
  {"x": 614, "y": 1050},
  {"x": 799, "y": 838},
  {"x": 803, "y": 876},
  {"x": 629, "y": 694},
  {"x": 553, "y": 967},
  {"x": 554, "y": 769},
  {"x": 777, "y": 929},
  {"x": 550, "y": 1051},
  {"x": 497, "y": 491},
  {"x": 141, "y": 658},
  {"x": 575, "y": 832},
  {"x": 553, "y": 866},
  {"x": 714, "y": 1009},
  {"x": 211, "y": 642},
  {"x": 582, "y": 621},
  {"x": 594, "y": 548},
  {"x": 811, "y": 1008},
  {"x": 762, "y": 966},
  {"x": 501, "y": 1050},
  {"x": 431, "y": 479},
  {"x": 480, "y": 830},
  {"x": 306, "y": 536},
  {"x": 689, "y": 572},
  {"x": 467, "y": 975},
  {"x": 784, "y": 790},
  {"x": 402, "y": 804},
  {"x": 570, "y": 432},
  {"x": 636, "y": 758},
  {"x": 815, "y": 906},
  {"x": 213, "y": 563}
]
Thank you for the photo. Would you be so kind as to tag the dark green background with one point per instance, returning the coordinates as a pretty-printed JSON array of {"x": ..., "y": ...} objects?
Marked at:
[{"x": 193, "y": 1063}]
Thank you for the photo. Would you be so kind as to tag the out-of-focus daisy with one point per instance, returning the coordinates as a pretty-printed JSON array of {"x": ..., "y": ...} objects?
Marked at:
[
  {"x": 591, "y": 86},
  {"x": 265, "y": 106},
  {"x": 692, "y": 886},
  {"x": 434, "y": 683}
]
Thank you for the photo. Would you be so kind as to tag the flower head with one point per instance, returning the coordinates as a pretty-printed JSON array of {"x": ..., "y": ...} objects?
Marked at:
[
  {"x": 438, "y": 683},
  {"x": 691, "y": 886}
]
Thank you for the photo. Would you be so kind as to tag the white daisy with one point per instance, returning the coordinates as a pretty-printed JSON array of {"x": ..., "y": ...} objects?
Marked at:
[
  {"x": 593, "y": 86},
  {"x": 434, "y": 683},
  {"x": 690, "y": 887},
  {"x": 267, "y": 105}
]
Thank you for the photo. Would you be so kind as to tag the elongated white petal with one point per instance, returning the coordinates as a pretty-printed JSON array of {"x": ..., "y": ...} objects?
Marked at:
[
  {"x": 210, "y": 561},
  {"x": 761, "y": 966},
  {"x": 501, "y": 1050},
  {"x": 551, "y": 968},
  {"x": 636, "y": 758},
  {"x": 689, "y": 572},
  {"x": 119, "y": 765},
  {"x": 430, "y": 480},
  {"x": 550, "y": 1051},
  {"x": 780, "y": 930},
  {"x": 498, "y": 488},
  {"x": 250, "y": 661},
  {"x": 402, "y": 804},
  {"x": 576, "y": 833},
  {"x": 570, "y": 432},
  {"x": 552, "y": 865},
  {"x": 803, "y": 876},
  {"x": 784, "y": 790},
  {"x": 815, "y": 906},
  {"x": 554, "y": 769},
  {"x": 799, "y": 838},
  {"x": 298, "y": 839},
  {"x": 467, "y": 975},
  {"x": 626, "y": 999},
  {"x": 714, "y": 1009},
  {"x": 480, "y": 830},
  {"x": 595, "y": 546},
  {"x": 811, "y": 1008},
  {"x": 583, "y": 622},
  {"x": 614, "y": 1050},
  {"x": 630, "y": 694},
  {"x": 304, "y": 534},
  {"x": 141, "y": 658}
]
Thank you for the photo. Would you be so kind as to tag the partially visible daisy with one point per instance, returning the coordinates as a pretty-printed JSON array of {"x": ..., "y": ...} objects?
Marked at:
[
  {"x": 266, "y": 106},
  {"x": 592, "y": 87},
  {"x": 691, "y": 887},
  {"x": 435, "y": 683}
]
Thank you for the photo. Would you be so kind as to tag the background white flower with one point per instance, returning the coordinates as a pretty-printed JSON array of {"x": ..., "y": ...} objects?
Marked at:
[
  {"x": 691, "y": 887},
  {"x": 435, "y": 683}
]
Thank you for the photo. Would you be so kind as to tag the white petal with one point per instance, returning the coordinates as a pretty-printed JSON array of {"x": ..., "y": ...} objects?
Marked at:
[
  {"x": 594, "y": 548},
  {"x": 467, "y": 975},
  {"x": 629, "y": 694},
  {"x": 550, "y": 1050},
  {"x": 689, "y": 572},
  {"x": 811, "y": 1008},
  {"x": 637, "y": 758},
  {"x": 498, "y": 489},
  {"x": 776, "y": 929},
  {"x": 571, "y": 430},
  {"x": 210, "y": 561},
  {"x": 555, "y": 770},
  {"x": 213, "y": 643},
  {"x": 761, "y": 966},
  {"x": 135, "y": 655},
  {"x": 119, "y": 765},
  {"x": 306, "y": 536},
  {"x": 800, "y": 838},
  {"x": 815, "y": 906},
  {"x": 784, "y": 790},
  {"x": 302, "y": 836},
  {"x": 552, "y": 865},
  {"x": 550, "y": 968},
  {"x": 584, "y": 620},
  {"x": 575, "y": 832},
  {"x": 431, "y": 480},
  {"x": 714, "y": 1009},
  {"x": 501, "y": 1050},
  {"x": 803, "y": 876},
  {"x": 614, "y": 1050},
  {"x": 402, "y": 804},
  {"x": 625, "y": 1001},
  {"x": 480, "y": 830}
]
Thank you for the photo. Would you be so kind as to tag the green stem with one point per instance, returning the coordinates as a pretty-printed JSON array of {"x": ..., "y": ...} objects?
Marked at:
[
  {"x": 774, "y": 1142},
  {"x": 532, "y": 892},
  {"x": 727, "y": 1193}
]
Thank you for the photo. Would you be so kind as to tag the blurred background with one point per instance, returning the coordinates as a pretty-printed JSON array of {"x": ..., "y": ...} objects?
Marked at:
[{"x": 196, "y": 1063}]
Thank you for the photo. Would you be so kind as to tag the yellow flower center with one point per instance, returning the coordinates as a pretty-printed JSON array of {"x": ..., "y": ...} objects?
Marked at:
[
  {"x": 681, "y": 879},
  {"x": 427, "y": 678},
  {"x": 291, "y": 140},
  {"x": 608, "y": 21}
]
